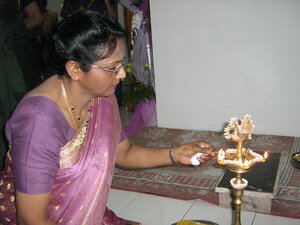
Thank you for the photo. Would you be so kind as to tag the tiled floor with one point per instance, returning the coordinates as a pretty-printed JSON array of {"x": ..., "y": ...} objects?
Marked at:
[{"x": 155, "y": 210}]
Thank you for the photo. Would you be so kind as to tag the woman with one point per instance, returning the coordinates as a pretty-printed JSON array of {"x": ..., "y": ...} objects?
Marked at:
[{"x": 65, "y": 135}]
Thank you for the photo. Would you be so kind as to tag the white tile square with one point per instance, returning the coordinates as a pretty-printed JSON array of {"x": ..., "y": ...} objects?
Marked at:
[
  {"x": 264, "y": 219},
  {"x": 202, "y": 210},
  {"x": 155, "y": 210},
  {"x": 118, "y": 199}
]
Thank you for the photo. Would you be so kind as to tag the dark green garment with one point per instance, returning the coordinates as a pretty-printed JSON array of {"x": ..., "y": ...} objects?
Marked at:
[{"x": 16, "y": 64}]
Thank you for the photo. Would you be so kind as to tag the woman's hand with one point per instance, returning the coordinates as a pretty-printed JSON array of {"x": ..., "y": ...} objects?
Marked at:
[{"x": 183, "y": 154}]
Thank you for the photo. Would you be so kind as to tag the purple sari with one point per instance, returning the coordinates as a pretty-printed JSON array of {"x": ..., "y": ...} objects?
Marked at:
[{"x": 81, "y": 184}]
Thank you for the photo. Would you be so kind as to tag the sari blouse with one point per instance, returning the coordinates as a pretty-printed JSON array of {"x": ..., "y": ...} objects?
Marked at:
[{"x": 36, "y": 141}]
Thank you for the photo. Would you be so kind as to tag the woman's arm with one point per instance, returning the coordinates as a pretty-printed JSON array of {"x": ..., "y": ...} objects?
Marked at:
[
  {"x": 33, "y": 16},
  {"x": 32, "y": 209},
  {"x": 135, "y": 156}
]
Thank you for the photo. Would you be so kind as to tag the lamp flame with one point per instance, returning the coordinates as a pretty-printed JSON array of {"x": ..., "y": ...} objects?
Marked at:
[
  {"x": 246, "y": 164},
  {"x": 266, "y": 155}
]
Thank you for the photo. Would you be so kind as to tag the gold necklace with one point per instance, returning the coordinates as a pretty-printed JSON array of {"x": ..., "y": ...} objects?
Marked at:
[{"x": 71, "y": 109}]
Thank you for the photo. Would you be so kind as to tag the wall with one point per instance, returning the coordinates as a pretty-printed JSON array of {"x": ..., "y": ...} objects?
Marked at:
[{"x": 215, "y": 59}]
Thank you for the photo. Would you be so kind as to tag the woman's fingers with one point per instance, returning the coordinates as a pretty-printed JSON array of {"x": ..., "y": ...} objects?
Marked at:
[
  {"x": 214, "y": 152},
  {"x": 204, "y": 158},
  {"x": 189, "y": 153},
  {"x": 204, "y": 144},
  {"x": 205, "y": 147}
]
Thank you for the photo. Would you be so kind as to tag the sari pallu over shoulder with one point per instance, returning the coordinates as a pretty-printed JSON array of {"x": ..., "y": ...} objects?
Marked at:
[{"x": 82, "y": 183}]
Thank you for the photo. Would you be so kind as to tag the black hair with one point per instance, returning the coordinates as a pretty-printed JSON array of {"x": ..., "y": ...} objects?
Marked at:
[{"x": 84, "y": 37}]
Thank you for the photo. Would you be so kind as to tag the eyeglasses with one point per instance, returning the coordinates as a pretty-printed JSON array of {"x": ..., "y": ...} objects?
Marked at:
[{"x": 115, "y": 70}]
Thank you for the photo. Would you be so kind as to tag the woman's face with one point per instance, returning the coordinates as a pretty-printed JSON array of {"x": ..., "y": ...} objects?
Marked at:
[{"x": 100, "y": 81}]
